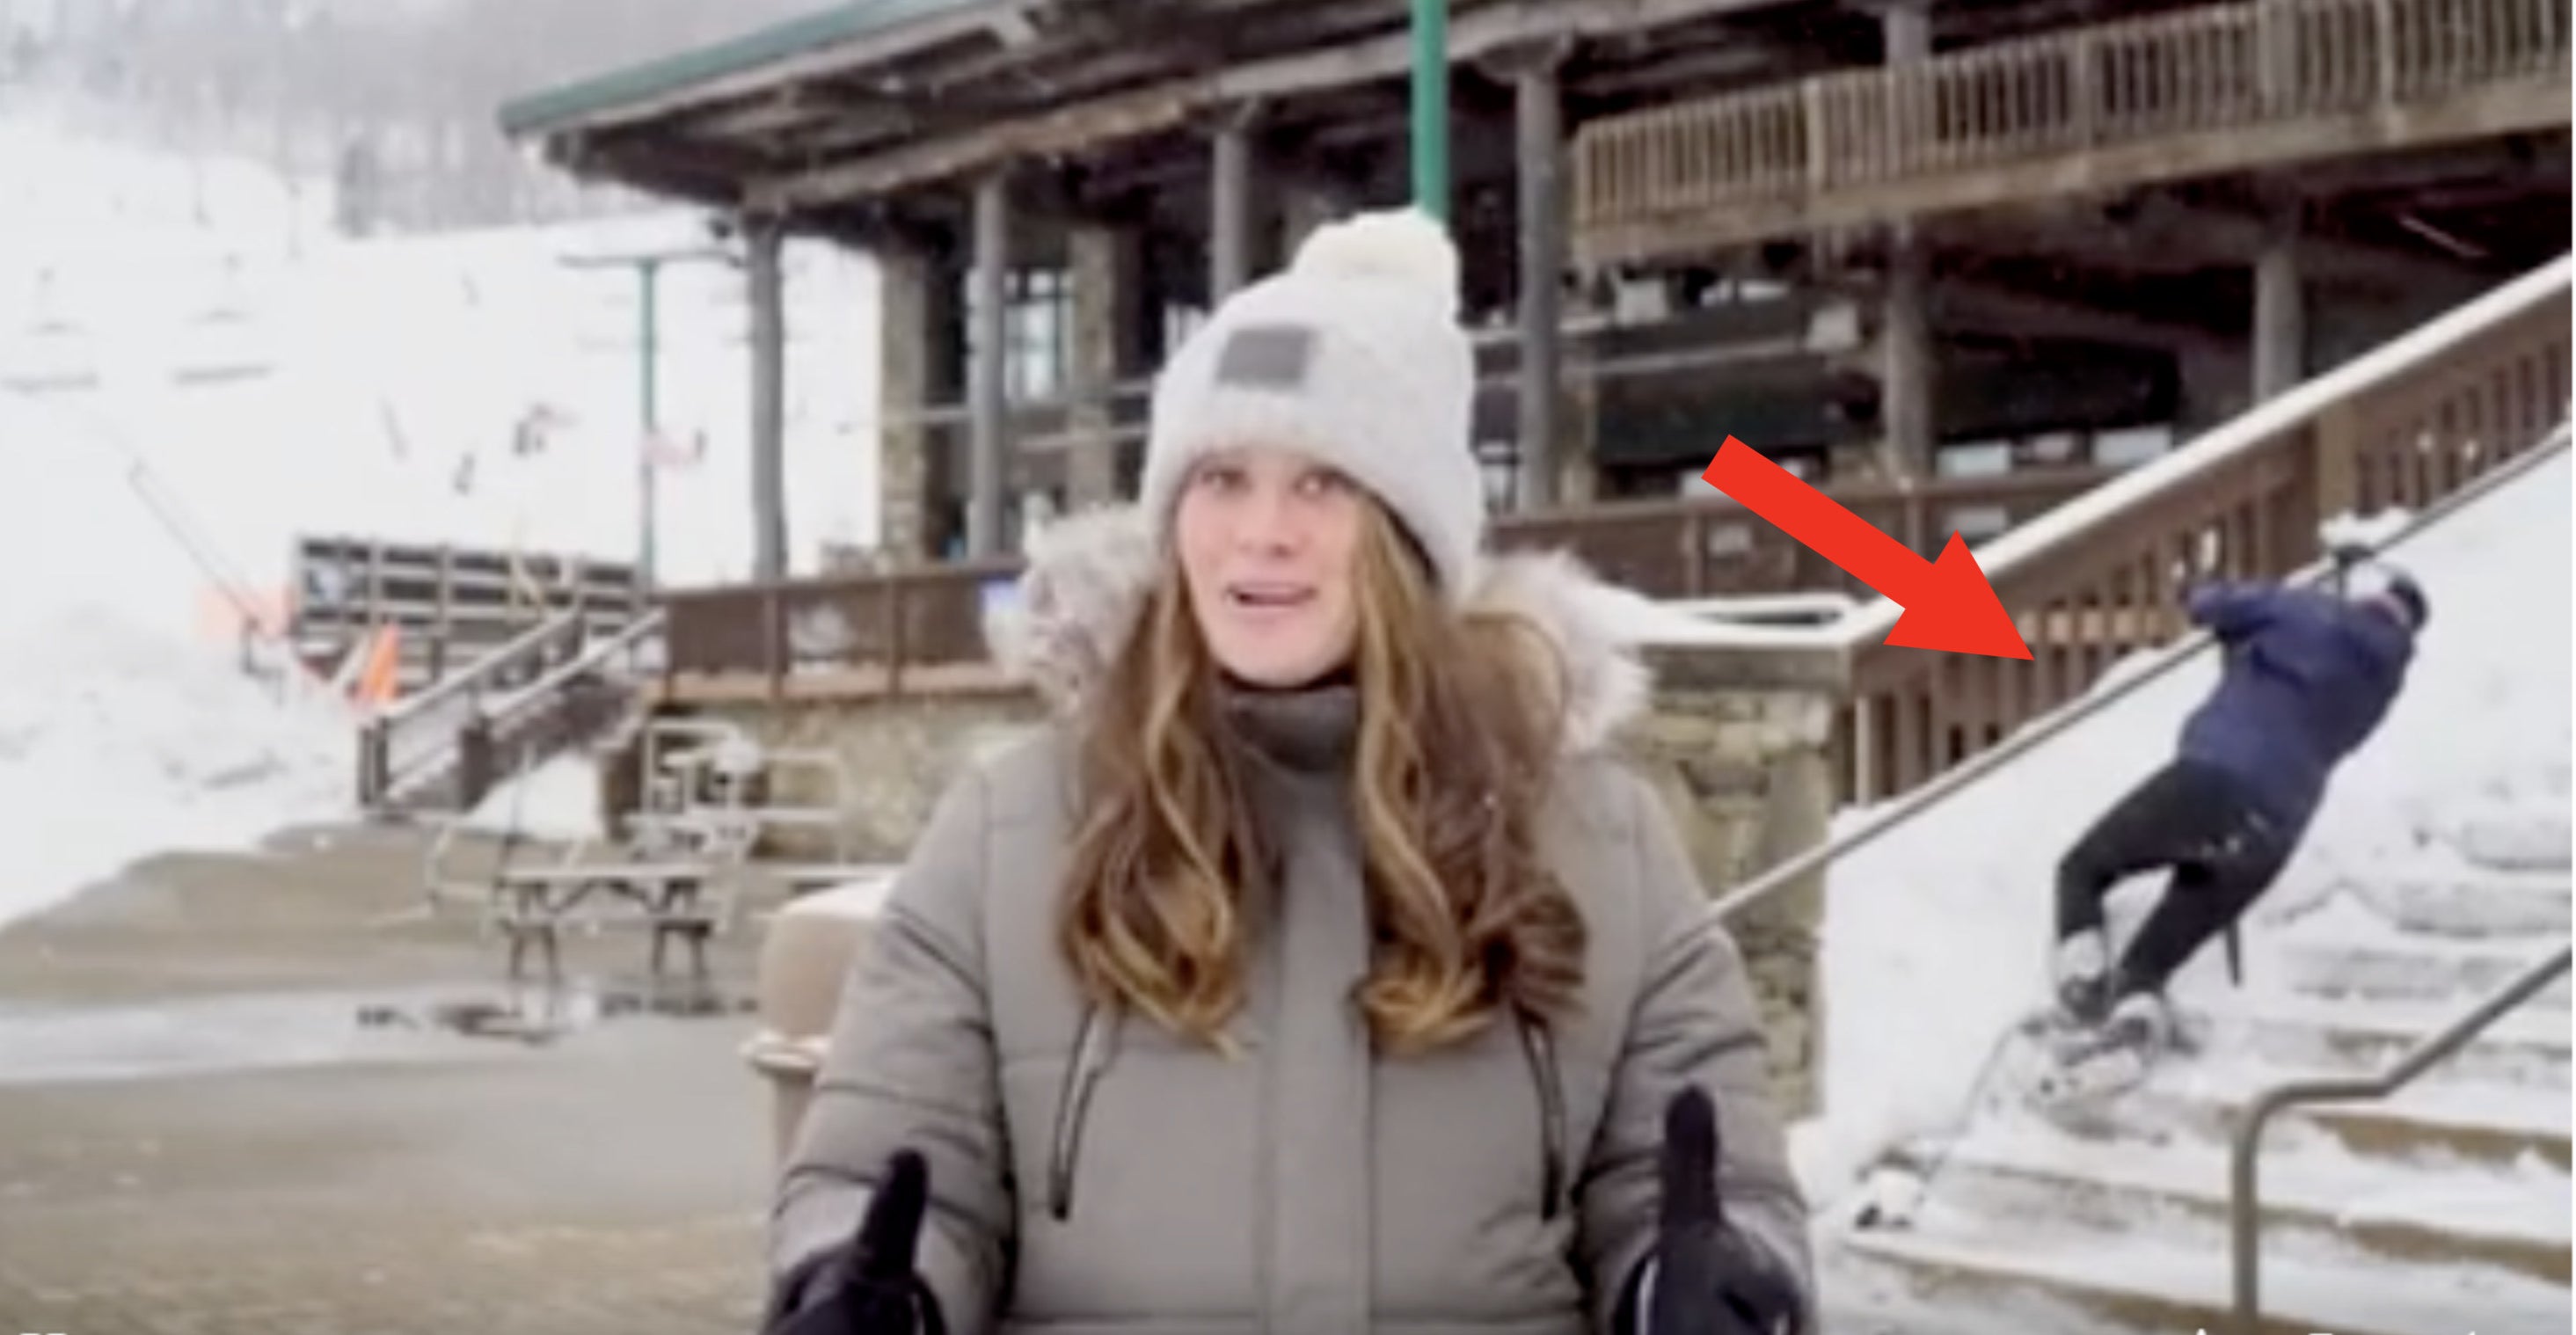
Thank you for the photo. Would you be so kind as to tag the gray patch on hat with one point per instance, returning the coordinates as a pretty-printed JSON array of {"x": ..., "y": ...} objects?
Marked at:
[{"x": 1270, "y": 356}]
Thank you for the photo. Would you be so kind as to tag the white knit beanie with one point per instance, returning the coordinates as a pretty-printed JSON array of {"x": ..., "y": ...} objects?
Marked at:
[{"x": 1353, "y": 355}]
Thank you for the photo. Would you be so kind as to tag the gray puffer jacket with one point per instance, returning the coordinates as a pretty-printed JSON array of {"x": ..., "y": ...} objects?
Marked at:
[{"x": 1093, "y": 1176}]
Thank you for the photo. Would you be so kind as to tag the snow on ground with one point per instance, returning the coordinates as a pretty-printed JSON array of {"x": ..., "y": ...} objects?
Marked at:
[
  {"x": 119, "y": 734},
  {"x": 1937, "y": 934},
  {"x": 191, "y": 332},
  {"x": 558, "y": 800},
  {"x": 390, "y": 381},
  {"x": 200, "y": 313}
]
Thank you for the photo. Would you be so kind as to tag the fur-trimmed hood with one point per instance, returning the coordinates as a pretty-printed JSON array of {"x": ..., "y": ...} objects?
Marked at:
[{"x": 1088, "y": 574}]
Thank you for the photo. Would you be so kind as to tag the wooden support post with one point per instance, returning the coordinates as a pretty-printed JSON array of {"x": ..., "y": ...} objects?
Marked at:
[
  {"x": 1230, "y": 205},
  {"x": 1541, "y": 154},
  {"x": 1905, "y": 336},
  {"x": 1104, "y": 279},
  {"x": 2280, "y": 314},
  {"x": 444, "y": 617},
  {"x": 768, "y": 402},
  {"x": 987, "y": 392},
  {"x": 1905, "y": 362}
]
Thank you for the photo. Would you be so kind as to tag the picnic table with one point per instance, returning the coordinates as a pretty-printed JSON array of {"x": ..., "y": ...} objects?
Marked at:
[{"x": 534, "y": 903}]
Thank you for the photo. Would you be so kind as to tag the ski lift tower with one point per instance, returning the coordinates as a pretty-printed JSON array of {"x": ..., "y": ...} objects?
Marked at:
[{"x": 647, "y": 265}]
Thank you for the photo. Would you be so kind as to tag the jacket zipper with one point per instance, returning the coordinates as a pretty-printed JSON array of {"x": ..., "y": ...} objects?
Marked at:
[
  {"x": 1072, "y": 1107},
  {"x": 1540, "y": 1048}
]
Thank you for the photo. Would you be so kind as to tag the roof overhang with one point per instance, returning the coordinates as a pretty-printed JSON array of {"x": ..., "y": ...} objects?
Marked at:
[
  {"x": 846, "y": 36},
  {"x": 856, "y": 106}
]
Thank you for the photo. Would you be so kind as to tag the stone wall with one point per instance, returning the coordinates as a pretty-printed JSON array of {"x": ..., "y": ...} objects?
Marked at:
[
  {"x": 1741, "y": 744},
  {"x": 899, "y": 754},
  {"x": 904, "y": 283}
]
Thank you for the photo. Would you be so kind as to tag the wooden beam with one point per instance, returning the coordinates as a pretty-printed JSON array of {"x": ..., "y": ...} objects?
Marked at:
[
  {"x": 1989, "y": 308},
  {"x": 2166, "y": 236},
  {"x": 982, "y": 86},
  {"x": 1702, "y": 71},
  {"x": 699, "y": 172},
  {"x": 1073, "y": 129}
]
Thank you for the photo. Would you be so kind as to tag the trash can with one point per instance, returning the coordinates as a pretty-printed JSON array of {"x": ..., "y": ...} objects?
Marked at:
[{"x": 803, "y": 960}]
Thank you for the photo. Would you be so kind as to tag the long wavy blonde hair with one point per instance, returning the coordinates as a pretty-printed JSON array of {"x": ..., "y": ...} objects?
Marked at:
[{"x": 1458, "y": 722}]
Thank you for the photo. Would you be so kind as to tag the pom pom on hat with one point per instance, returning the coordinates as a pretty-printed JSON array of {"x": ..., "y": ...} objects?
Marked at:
[{"x": 1405, "y": 246}]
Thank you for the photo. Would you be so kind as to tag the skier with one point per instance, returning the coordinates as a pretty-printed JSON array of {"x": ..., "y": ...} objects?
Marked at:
[
  {"x": 2308, "y": 675},
  {"x": 1316, "y": 968}
]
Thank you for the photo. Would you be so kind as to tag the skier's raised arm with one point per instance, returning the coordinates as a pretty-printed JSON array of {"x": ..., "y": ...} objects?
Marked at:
[{"x": 2231, "y": 609}]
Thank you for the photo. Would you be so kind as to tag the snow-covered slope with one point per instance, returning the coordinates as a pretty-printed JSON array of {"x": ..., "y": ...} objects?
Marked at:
[
  {"x": 2438, "y": 868},
  {"x": 197, "y": 313},
  {"x": 196, "y": 325},
  {"x": 120, "y": 733}
]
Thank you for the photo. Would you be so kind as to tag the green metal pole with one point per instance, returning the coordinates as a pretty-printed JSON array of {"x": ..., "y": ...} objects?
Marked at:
[
  {"x": 1431, "y": 107},
  {"x": 647, "y": 340}
]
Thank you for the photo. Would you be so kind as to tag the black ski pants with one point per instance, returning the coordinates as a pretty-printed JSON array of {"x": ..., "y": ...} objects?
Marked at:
[{"x": 2198, "y": 821}]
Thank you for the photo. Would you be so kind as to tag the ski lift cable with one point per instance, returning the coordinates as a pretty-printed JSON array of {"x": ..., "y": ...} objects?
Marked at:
[{"x": 158, "y": 497}]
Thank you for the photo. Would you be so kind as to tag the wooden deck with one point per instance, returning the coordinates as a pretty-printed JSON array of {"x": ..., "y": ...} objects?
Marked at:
[{"x": 2222, "y": 89}]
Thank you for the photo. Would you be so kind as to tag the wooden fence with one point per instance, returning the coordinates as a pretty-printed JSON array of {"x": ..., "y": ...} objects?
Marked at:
[
  {"x": 450, "y": 605},
  {"x": 2191, "y": 92},
  {"x": 922, "y": 629}
]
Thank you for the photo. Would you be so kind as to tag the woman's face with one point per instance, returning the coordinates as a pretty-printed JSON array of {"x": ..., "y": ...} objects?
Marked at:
[{"x": 1269, "y": 546}]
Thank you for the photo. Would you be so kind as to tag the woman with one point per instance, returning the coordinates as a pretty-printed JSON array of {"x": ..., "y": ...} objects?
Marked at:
[{"x": 1316, "y": 970}]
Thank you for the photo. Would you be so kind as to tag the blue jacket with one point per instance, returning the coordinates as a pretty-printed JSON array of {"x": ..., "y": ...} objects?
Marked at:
[{"x": 2308, "y": 677}]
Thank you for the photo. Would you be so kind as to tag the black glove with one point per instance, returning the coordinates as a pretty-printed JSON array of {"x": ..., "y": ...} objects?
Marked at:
[
  {"x": 1709, "y": 1279},
  {"x": 867, "y": 1287}
]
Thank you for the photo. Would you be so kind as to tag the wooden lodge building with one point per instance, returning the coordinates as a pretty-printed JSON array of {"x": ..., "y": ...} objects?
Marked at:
[
  {"x": 1853, "y": 236},
  {"x": 1959, "y": 261},
  {"x": 1954, "y": 259}
]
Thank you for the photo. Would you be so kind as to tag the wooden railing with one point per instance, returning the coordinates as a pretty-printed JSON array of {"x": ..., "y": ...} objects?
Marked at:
[
  {"x": 2191, "y": 92},
  {"x": 577, "y": 701},
  {"x": 453, "y": 605},
  {"x": 2400, "y": 427},
  {"x": 922, "y": 629},
  {"x": 1707, "y": 546},
  {"x": 906, "y": 629},
  {"x": 528, "y": 692}
]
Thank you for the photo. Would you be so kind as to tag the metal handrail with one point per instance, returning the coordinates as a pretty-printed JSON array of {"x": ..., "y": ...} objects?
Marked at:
[
  {"x": 1898, "y": 810},
  {"x": 470, "y": 681},
  {"x": 402, "y": 777},
  {"x": 2244, "y": 1206},
  {"x": 626, "y": 638}
]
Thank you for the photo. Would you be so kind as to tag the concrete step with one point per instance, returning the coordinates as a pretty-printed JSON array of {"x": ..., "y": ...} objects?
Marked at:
[
  {"x": 2417, "y": 969},
  {"x": 2319, "y": 1205},
  {"x": 2459, "y": 1122},
  {"x": 2527, "y": 1046},
  {"x": 2475, "y": 903},
  {"x": 2523, "y": 840},
  {"x": 2083, "y": 1282}
]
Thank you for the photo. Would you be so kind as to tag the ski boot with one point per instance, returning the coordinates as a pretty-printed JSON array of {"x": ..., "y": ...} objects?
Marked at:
[
  {"x": 2083, "y": 972},
  {"x": 2092, "y": 1068}
]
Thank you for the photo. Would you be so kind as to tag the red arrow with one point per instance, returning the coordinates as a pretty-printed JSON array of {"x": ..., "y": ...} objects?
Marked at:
[{"x": 1949, "y": 606}]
